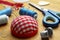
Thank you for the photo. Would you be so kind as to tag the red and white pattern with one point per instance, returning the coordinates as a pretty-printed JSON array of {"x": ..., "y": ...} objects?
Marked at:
[{"x": 24, "y": 27}]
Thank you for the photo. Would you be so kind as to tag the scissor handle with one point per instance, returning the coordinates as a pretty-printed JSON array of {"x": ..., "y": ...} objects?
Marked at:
[
  {"x": 50, "y": 24},
  {"x": 56, "y": 14}
]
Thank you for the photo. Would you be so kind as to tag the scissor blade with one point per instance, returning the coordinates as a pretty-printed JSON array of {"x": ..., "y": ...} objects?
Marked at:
[{"x": 37, "y": 7}]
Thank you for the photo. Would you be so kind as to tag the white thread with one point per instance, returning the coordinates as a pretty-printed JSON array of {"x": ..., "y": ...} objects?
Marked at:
[{"x": 3, "y": 19}]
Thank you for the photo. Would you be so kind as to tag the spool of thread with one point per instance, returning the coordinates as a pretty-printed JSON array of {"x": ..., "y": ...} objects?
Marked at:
[
  {"x": 3, "y": 19},
  {"x": 25, "y": 11},
  {"x": 6, "y": 11}
]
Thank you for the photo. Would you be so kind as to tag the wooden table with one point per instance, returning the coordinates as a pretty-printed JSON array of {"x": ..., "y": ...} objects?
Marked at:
[{"x": 5, "y": 33}]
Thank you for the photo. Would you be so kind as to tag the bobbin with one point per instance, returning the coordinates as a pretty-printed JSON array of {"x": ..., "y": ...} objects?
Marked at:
[
  {"x": 47, "y": 33},
  {"x": 25, "y": 11},
  {"x": 3, "y": 19}
]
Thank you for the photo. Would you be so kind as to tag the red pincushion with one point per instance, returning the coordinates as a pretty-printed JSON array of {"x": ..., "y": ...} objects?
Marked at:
[{"x": 24, "y": 27}]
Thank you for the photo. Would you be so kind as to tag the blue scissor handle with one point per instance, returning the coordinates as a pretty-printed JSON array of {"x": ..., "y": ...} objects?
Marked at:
[
  {"x": 49, "y": 16},
  {"x": 56, "y": 14}
]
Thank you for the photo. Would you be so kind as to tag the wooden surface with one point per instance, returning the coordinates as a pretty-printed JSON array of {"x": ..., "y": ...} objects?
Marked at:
[{"x": 5, "y": 33}]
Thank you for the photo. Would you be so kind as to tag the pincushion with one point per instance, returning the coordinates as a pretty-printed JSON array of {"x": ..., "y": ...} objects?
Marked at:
[{"x": 24, "y": 27}]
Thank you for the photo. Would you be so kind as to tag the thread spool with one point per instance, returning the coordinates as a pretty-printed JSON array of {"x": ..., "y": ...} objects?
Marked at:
[
  {"x": 6, "y": 11},
  {"x": 3, "y": 19},
  {"x": 25, "y": 11}
]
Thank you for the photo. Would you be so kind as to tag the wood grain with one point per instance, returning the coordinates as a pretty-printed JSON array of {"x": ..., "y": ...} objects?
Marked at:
[{"x": 5, "y": 33}]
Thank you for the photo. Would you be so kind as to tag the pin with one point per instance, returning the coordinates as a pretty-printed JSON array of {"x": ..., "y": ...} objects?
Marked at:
[
  {"x": 6, "y": 11},
  {"x": 3, "y": 19},
  {"x": 25, "y": 11}
]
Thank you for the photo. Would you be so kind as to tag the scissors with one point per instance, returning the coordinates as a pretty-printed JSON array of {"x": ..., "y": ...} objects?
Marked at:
[{"x": 49, "y": 15}]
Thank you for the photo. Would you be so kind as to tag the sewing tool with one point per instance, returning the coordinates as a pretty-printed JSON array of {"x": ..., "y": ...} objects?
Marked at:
[
  {"x": 25, "y": 11},
  {"x": 3, "y": 19},
  {"x": 20, "y": 1},
  {"x": 24, "y": 27},
  {"x": 50, "y": 31},
  {"x": 47, "y": 33},
  {"x": 49, "y": 15},
  {"x": 44, "y": 34},
  {"x": 16, "y": 5}
]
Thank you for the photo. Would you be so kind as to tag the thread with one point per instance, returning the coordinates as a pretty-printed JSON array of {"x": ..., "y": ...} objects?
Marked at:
[
  {"x": 6, "y": 11},
  {"x": 25, "y": 11},
  {"x": 3, "y": 19}
]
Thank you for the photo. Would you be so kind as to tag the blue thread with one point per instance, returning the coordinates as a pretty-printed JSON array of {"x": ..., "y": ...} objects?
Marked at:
[
  {"x": 25, "y": 11},
  {"x": 6, "y": 11}
]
